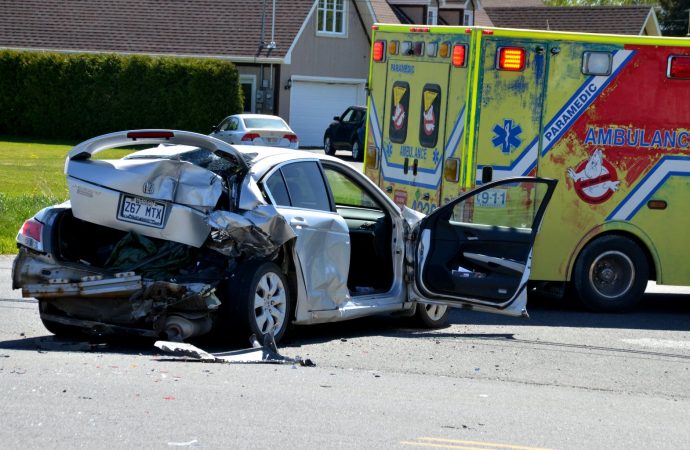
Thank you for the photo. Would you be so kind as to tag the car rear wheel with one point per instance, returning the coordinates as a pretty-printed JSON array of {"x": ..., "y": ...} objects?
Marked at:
[
  {"x": 611, "y": 274},
  {"x": 357, "y": 153},
  {"x": 257, "y": 301},
  {"x": 328, "y": 146},
  {"x": 432, "y": 316}
]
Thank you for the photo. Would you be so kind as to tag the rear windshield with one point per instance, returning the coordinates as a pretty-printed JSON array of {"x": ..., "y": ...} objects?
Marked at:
[
  {"x": 203, "y": 158},
  {"x": 265, "y": 123}
]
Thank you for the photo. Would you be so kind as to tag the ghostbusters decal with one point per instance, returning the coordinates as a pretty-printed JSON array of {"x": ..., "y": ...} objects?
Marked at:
[
  {"x": 431, "y": 105},
  {"x": 595, "y": 179},
  {"x": 400, "y": 103}
]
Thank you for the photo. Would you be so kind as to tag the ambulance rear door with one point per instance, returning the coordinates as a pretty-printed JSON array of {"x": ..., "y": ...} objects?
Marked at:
[
  {"x": 510, "y": 101},
  {"x": 419, "y": 116}
]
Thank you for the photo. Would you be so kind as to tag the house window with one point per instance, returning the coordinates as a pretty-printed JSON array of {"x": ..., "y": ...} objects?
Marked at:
[
  {"x": 431, "y": 15},
  {"x": 469, "y": 18},
  {"x": 330, "y": 19}
]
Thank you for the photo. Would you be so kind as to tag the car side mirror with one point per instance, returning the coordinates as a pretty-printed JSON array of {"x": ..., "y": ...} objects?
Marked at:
[
  {"x": 336, "y": 118},
  {"x": 214, "y": 129}
]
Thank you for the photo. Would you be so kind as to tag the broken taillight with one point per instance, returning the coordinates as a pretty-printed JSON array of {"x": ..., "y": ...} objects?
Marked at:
[{"x": 30, "y": 235}]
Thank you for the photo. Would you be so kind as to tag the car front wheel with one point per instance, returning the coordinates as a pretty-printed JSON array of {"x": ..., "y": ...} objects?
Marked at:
[
  {"x": 257, "y": 301},
  {"x": 328, "y": 146},
  {"x": 357, "y": 153}
]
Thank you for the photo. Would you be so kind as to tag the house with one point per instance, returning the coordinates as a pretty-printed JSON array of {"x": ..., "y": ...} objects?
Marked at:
[{"x": 304, "y": 60}]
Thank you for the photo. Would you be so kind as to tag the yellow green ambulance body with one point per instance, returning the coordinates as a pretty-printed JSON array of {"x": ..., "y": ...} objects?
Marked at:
[{"x": 608, "y": 116}]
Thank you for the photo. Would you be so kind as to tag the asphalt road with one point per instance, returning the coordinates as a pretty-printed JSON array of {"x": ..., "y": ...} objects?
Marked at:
[{"x": 564, "y": 379}]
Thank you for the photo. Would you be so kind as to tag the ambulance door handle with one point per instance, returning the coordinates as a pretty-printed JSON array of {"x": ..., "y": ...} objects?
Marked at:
[
  {"x": 406, "y": 166},
  {"x": 389, "y": 189},
  {"x": 555, "y": 50},
  {"x": 426, "y": 196},
  {"x": 540, "y": 50},
  {"x": 414, "y": 167}
]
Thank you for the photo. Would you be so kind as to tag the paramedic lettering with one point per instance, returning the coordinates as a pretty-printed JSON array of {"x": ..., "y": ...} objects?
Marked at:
[
  {"x": 570, "y": 112},
  {"x": 638, "y": 137},
  {"x": 402, "y": 68}
]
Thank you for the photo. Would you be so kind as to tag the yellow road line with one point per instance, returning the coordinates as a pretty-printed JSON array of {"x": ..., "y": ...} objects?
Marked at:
[{"x": 458, "y": 444}]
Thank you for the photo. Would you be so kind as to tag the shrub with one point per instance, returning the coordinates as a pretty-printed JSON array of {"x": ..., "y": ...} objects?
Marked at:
[{"x": 77, "y": 96}]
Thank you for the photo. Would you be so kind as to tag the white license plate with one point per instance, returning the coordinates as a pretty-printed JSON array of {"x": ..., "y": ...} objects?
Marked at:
[
  {"x": 272, "y": 140},
  {"x": 141, "y": 210},
  {"x": 493, "y": 198}
]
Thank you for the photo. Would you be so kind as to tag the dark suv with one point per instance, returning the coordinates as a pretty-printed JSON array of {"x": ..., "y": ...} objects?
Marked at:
[{"x": 347, "y": 133}]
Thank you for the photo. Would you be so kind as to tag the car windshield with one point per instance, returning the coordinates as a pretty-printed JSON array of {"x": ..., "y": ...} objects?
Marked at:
[{"x": 265, "y": 123}]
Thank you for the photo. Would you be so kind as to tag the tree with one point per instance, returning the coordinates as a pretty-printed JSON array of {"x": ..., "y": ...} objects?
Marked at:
[{"x": 673, "y": 17}]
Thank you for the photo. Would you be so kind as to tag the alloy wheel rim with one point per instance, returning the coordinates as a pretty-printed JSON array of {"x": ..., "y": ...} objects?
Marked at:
[
  {"x": 270, "y": 303},
  {"x": 435, "y": 312}
]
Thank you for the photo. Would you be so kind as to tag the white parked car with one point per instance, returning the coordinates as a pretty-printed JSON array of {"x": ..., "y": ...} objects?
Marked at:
[
  {"x": 256, "y": 129},
  {"x": 194, "y": 234}
]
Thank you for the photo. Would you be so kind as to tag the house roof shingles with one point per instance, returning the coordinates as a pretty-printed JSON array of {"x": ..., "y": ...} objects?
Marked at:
[
  {"x": 593, "y": 19},
  {"x": 179, "y": 27}
]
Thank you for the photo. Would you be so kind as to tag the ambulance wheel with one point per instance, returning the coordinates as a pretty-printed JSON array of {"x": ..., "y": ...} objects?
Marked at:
[
  {"x": 257, "y": 301},
  {"x": 611, "y": 274},
  {"x": 432, "y": 316},
  {"x": 357, "y": 153},
  {"x": 328, "y": 146}
]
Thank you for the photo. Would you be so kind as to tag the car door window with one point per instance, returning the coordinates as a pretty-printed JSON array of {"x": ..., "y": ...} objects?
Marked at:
[
  {"x": 300, "y": 185},
  {"x": 232, "y": 125},
  {"x": 346, "y": 192},
  {"x": 347, "y": 117},
  {"x": 276, "y": 186},
  {"x": 224, "y": 125}
]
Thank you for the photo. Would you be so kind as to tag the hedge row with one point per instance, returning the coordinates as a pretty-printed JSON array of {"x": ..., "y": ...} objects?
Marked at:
[{"x": 78, "y": 96}]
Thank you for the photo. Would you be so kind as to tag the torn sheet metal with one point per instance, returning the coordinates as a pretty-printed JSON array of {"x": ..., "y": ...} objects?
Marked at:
[
  {"x": 160, "y": 179},
  {"x": 255, "y": 233},
  {"x": 266, "y": 353}
]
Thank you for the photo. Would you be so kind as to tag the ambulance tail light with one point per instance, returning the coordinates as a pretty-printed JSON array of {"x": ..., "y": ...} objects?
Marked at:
[
  {"x": 511, "y": 59},
  {"x": 379, "y": 51},
  {"x": 679, "y": 67},
  {"x": 459, "y": 52}
]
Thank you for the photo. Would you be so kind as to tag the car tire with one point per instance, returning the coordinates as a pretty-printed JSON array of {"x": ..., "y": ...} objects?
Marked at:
[
  {"x": 431, "y": 316},
  {"x": 611, "y": 274},
  {"x": 257, "y": 299},
  {"x": 328, "y": 146},
  {"x": 357, "y": 153}
]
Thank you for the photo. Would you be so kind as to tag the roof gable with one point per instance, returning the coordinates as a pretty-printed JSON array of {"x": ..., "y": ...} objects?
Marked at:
[{"x": 214, "y": 28}]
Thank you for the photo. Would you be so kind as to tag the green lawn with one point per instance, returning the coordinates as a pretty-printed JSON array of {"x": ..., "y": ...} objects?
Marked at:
[{"x": 31, "y": 177}]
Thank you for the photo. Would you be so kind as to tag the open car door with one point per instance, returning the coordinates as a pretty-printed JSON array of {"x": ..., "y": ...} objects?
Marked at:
[{"x": 476, "y": 251}]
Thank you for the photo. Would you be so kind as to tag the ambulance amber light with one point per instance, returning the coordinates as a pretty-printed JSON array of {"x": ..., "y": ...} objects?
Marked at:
[
  {"x": 379, "y": 50},
  {"x": 656, "y": 204},
  {"x": 393, "y": 47},
  {"x": 679, "y": 67},
  {"x": 458, "y": 55},
  {"x": 511, "y": 58},
  {"x": 150, "y": 135},
  {"x": 444, "y": 50}
]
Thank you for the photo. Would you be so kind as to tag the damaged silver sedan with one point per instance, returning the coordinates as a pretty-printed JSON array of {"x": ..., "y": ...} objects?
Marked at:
[{"x": 193, "y": 235}]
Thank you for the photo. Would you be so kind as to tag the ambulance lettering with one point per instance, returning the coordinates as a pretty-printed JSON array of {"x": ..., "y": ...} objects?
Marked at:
[{"x": 595, "y": 179}]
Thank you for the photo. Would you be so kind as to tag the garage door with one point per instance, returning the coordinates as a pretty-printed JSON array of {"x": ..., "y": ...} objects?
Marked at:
[{"x": 314, "y": 103}]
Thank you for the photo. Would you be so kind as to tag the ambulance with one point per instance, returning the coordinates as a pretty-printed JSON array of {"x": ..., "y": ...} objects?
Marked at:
[{"x": 608, "y": 116}]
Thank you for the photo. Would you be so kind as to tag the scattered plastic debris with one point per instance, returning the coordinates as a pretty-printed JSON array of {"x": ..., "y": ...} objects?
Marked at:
[
  {"x": 258, "y": 354},
  {"x": 182, "y": 444}
]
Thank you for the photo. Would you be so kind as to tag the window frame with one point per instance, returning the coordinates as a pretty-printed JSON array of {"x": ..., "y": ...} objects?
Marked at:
[
  {"x": 322, "y": 11},
  {"x": 278, "y": 170}
]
